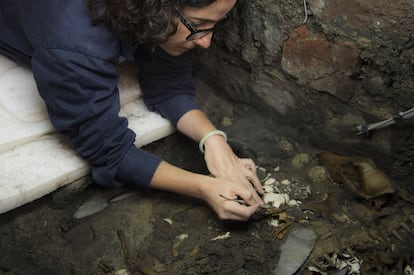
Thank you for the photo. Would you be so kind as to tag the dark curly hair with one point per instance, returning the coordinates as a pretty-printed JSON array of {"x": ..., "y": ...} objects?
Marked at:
[{"x": 142, "y": 21}]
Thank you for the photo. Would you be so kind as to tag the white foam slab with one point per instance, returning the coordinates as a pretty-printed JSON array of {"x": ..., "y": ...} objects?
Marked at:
[
  {"x": 35, "y": 161},
  {"x": 23, "y": 114}
]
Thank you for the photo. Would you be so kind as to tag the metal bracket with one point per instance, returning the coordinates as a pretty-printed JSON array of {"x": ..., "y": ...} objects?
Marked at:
[{"x": 364, "y": 129}]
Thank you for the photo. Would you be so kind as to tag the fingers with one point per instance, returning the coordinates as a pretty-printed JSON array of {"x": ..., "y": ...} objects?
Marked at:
[
  {"x": 254, "y": 180},
  {"x": 233, "y": 210},
  {"x": 231, "y": 200},
  {"x": 250, "y": 196},
  {"x": 248, "y": 192},
  {"x": 251, "y": 174},
  {"x": 249, "y": 164},
  {"x": 251, "y": 187}
]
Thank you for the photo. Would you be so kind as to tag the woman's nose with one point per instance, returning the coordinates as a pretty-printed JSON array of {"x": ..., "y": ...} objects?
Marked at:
[{"x": 205, "y": 41}]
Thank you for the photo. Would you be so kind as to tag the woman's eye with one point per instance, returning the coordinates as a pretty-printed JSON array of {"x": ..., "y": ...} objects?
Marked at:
[
  {"x": 197, "y": 24},
  {"x": 202, "y": 24}
]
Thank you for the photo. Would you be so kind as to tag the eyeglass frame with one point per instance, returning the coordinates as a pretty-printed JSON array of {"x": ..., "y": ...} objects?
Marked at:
[{"x": 193, "y": 31}]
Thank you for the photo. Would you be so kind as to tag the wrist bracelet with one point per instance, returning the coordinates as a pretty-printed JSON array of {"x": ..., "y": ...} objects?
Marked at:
[{"x": 212, "y": 133}]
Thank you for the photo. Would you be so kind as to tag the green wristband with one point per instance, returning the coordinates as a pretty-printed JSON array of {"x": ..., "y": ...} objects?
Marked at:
[{"x": 212, "y": 133}]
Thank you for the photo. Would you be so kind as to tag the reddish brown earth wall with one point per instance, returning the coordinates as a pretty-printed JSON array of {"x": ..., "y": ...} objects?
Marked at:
[{"x": 350, "y": 63}]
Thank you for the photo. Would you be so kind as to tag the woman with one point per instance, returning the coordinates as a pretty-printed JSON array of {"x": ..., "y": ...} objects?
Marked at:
[{"x": 72, "y": 47}]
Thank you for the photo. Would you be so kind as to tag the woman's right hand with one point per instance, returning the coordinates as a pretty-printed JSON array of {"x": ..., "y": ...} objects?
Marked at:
[{"x": 221, "y": 195}]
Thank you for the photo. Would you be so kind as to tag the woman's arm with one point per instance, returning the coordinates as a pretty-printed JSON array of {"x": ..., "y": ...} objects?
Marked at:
[{"x": 168, "y": 89}]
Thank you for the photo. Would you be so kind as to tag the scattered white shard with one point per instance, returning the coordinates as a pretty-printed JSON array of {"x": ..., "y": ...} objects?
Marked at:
[
  {"x": 168, "y": 220},
  {"x": 268, "y": 189},
  {"x": 285, "y": 182},
  {"x": 276, "y": 199},
  {"x": 270, "y": 181},
  {"x": 273, "y": 222},
  {"x": 222, "y": 237}
]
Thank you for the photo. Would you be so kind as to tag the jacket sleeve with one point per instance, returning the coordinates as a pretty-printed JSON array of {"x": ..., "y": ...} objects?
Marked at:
[
  {"x": 166, "y": 82},
  {"x": 82, "y": 98}
]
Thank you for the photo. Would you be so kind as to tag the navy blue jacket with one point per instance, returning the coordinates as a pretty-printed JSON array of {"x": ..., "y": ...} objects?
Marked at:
[{"x": 73, "y": 65}]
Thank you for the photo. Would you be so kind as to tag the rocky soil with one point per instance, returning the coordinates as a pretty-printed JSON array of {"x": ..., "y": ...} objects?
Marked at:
[{"x": 151, "y": 232}]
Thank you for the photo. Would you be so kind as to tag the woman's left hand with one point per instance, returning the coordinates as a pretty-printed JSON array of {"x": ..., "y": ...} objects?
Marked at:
[{"x": 223, "y": 163}]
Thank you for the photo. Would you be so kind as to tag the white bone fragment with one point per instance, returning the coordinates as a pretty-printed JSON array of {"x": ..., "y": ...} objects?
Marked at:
[{"x": 222, "y": 237}]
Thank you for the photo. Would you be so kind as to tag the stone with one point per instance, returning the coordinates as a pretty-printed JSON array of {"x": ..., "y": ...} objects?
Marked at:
[
  {"x": 317, "y": 174},
  {"x": 294, "y": 252},
  {"x": 92, "y": 206},
  {"x": 300, "y": 161}
]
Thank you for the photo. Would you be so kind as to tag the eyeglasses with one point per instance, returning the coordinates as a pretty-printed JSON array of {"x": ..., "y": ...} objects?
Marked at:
[{"x": 196, "y": 34}]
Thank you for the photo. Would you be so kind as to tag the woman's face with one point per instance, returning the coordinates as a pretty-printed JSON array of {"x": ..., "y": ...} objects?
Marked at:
[{"x": 200, "y": 18}]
